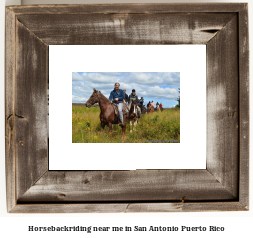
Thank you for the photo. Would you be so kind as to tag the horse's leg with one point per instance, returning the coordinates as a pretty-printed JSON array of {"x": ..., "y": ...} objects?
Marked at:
[
  {"x": 110, "y": 128},
  {"x": 102, "y": 126},
  {"x": 130, "y": 126},
  {"x": 135, "y": 122},
  {"x": 124, "y": 128},
  {"x": 102, "y": 122},
  {"x": 123, "y": 132}
]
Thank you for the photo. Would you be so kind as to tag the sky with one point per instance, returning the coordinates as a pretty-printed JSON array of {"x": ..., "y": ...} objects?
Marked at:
[{"x": 159, "y": 87}]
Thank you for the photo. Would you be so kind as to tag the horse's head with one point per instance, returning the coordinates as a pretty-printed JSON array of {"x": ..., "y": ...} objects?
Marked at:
[
  {"x": 93, "y": 98},
  {"x": 133, "y": 109}
]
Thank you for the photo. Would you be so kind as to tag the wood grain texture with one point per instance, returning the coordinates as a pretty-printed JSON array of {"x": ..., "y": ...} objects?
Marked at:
[
  {"x": 186, "y": 207},
  {"x": 139, "y": 185},
  {"x": 129, "y": 207},
  {"x": 153, "y": 8},
  {"x": 9, "y": 108},
  {"x": 223, "y": 107},
  {"x": 30, "y": 108},
  {"x": 121, "y": 29},
  {"x": 244, "y": 107}
]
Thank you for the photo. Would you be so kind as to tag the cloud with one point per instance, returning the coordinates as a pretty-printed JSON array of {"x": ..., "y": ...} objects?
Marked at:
[
  {"x": 79, "y": 89},
  {"x": 145, "y": 78},
  {"x": 101, "y": 86},
  {"x": 154, "y": 78},
  {"x": 100, "y": 77},
  {"x": 76, "y": 76},
  {"x": 161, "y": 78},
  {"x": 126, "y": 86},
  {"x": 157, "y": 92},
  {"x": 78, "y": 99},
  {"x": 162, "y": 86},
  {"x": 111, "y": 73}
]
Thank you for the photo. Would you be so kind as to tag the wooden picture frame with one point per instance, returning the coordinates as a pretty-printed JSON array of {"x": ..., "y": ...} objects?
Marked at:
[{"x": 222, "y": 186}]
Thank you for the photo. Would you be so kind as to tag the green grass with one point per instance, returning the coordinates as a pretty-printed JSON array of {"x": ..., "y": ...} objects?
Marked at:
[{"x": 153, "y": 126}]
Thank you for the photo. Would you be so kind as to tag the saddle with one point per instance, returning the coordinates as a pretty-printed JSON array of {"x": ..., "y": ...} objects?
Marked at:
[{"x": 125, "y": 109}]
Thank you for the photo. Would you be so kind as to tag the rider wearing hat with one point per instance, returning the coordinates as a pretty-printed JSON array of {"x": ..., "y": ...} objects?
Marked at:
[{"x": 134, "y": 97}]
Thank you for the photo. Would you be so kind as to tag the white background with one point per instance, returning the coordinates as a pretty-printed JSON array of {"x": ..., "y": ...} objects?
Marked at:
[
  {"x": 238, "y": 224},
  {"x": 189, "y": 60}
]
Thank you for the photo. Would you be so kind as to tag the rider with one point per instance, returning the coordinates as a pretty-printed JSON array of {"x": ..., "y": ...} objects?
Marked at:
[
  {"x": 134, "y": 97},
  {"x": 117, "y": 95},
  {"x": 126, "y": 97},
  {"x": 141, "y": 102},
  {"x": 157, "y": 105}
]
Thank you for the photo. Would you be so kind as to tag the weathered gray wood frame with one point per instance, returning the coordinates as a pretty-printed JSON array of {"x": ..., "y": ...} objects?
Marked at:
[{"x": 222, "y": 186}]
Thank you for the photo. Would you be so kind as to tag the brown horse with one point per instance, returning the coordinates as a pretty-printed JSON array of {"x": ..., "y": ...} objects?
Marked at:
[
  {"x": 150, "y": 109},
  {"x": 107, "y": 114}
]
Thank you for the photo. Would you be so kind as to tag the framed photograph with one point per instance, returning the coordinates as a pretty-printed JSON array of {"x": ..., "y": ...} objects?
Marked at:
[
  {"x": 147, "y": 128},
  {"x": 62, "y": 58}
]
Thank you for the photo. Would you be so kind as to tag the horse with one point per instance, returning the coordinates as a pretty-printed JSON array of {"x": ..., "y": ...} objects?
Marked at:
[
  {"x": 143, "y": 110},
  {"x": 107, "y": 114},
  {"x": 150, "y": 109},
  {"x": 132, "y": 115},
  {"x": 158, "y": 108}
]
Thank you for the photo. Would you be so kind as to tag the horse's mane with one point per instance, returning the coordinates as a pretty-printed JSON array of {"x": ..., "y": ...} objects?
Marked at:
[{"x": 103, "y": 97}]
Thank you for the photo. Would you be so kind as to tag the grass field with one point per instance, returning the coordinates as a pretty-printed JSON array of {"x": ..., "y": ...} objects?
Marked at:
[{"x": 153, "y": 126}]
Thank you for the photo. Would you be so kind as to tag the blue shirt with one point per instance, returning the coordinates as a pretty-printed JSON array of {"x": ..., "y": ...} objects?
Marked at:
[{"x": 114, "y": 94}]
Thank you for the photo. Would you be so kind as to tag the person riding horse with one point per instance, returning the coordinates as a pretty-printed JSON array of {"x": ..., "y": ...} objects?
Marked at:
[
  {"x": 153, "y": 104},
  {"x": 126, "y": 97},
  {"x": 141, "y": 105},
  {"x": 157, "y": 106},
  {"x": 134, "y": 97},
  {"x": 141, "y": 101},
  {"x": 117, "y": 95}
]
